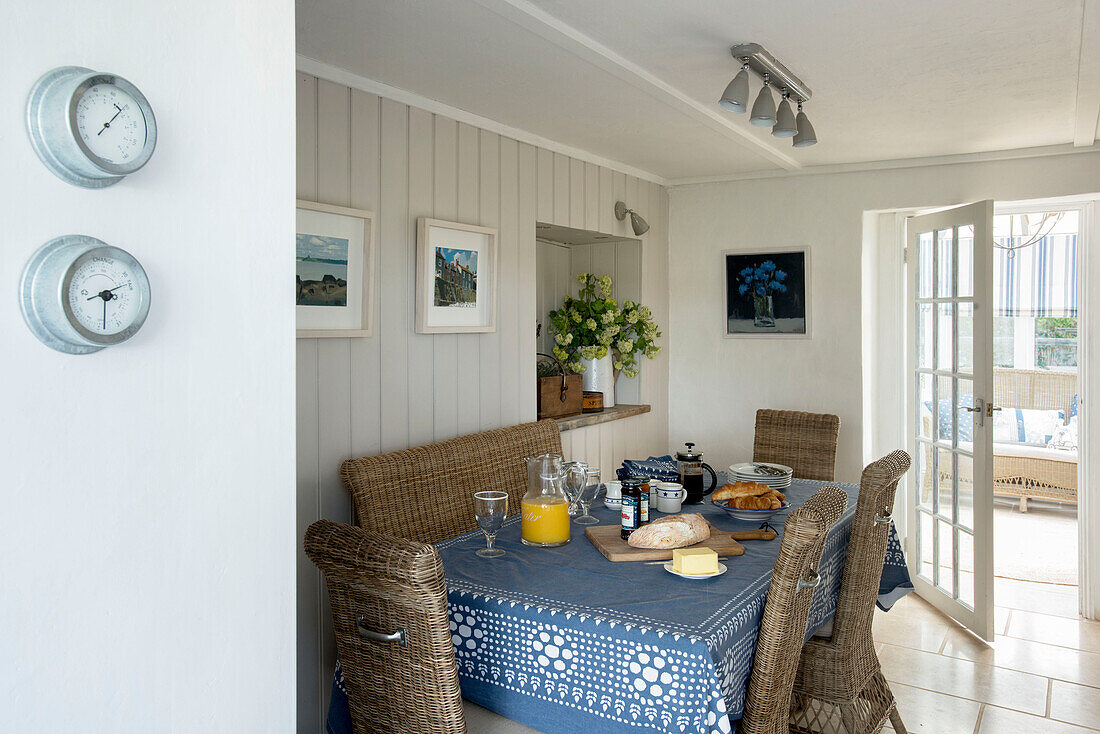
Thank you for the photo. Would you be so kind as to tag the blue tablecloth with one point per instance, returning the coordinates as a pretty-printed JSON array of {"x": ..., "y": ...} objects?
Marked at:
[{"x": 563, "y": 640}]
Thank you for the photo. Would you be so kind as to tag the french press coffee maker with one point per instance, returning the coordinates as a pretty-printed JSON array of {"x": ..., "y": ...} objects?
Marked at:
[{"x": 689, "y": 467}]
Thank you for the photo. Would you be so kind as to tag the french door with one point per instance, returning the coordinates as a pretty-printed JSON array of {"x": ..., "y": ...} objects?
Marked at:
[{"x": 950, "y": 371}]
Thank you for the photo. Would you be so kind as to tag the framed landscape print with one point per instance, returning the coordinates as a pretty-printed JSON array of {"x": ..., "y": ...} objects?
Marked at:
[
  {"x": 768, "y": 292},
  {"x": 456, "y": 278},
  {"x": 334, "y": 262}
]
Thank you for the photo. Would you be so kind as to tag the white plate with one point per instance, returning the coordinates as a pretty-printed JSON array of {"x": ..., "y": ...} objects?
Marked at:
[
  {"x": 747, "y": 468},
  {"x": 721, "y": 570}
]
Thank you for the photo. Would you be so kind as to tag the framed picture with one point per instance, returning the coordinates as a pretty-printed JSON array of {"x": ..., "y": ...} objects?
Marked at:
[
  {"x": 456, "y": 278},
  {"x": 768, "y": 292},
  {"x": 334, "y": 260}
]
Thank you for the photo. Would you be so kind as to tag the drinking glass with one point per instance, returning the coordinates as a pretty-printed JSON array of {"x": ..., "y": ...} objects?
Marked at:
[
  {"x": 588, "y": 493},
  {"x": 490, "y": 507},
  {"x": 575, "y": 474}
]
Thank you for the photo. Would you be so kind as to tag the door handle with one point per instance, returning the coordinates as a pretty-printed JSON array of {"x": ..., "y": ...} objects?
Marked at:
[
  {"x": 989, "y": 408},
  {"x": 979, "y": 408}
]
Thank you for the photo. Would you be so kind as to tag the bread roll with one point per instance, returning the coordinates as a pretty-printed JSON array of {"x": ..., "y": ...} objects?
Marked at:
[{"x": 674, "y": 531}]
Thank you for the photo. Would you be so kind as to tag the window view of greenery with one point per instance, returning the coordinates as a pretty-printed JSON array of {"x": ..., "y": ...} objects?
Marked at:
[{"x": 1055, "y": 342}]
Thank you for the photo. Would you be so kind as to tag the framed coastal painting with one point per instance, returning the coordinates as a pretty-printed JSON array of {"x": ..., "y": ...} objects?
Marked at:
[
  {"x": 456, "y": 278},
  {"x": 768, "y": 293},
  {"x": 334, "y": 278}
]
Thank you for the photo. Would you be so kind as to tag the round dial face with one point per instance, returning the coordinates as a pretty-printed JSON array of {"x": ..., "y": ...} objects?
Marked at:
[
  {"x": 103, "y": 297},
  {"x": 111, "y": 123}
]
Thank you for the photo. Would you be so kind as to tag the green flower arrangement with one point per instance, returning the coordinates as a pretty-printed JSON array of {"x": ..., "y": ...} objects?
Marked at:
[{"x": 591, "y": 325}]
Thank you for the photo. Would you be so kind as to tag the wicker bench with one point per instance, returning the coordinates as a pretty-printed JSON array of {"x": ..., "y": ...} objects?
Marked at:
[
  {"x": 1020, "y": 471},
  {"x": 426, "y": 493}
]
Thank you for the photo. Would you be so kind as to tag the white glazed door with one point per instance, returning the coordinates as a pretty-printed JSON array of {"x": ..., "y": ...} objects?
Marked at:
[{"x": 950, "y": 373}]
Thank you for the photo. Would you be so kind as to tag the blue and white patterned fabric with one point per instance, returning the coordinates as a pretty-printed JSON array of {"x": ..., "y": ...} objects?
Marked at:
[
  {"x": 1027, "y": 426},
  {"x": 662, "y": 467},
  {"x": 563, "y": 640},
  {"x": 943, "y": 417}
]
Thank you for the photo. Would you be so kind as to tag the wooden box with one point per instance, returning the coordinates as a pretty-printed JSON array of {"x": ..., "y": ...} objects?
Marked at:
[{"x": 554, "y": 403}]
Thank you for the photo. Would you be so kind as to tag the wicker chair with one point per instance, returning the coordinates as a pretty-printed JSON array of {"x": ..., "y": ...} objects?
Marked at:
[
  {"x": 426, "y": 493},
  {"x": 839, "y": 678},
  {"x": 783, "y": 626},
  {"x": 378, "y": 583},
  {"x": 806, "y": 442}
]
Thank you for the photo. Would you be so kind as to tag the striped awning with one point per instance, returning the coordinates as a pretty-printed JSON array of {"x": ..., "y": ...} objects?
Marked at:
[{"x": 1040, "y": 281}]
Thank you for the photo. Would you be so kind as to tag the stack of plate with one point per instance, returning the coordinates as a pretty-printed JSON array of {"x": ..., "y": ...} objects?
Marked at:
[{"x": 775, "y": 476}]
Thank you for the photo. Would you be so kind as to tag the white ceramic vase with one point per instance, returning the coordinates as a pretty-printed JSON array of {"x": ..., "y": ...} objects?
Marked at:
[{"x": 599, "y": 376}]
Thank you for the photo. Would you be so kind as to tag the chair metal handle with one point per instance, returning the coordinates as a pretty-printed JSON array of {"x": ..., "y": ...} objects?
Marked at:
[
  {"x": 812, "y": 583},
  {"x": 367, "y": 633},
  {"x": 882, "y": 520}
]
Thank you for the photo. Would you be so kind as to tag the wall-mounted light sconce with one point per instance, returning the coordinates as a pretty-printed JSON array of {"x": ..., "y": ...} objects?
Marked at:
[
  {"x": 784, "y": 124},
  {"x": 639, "y": 225}
]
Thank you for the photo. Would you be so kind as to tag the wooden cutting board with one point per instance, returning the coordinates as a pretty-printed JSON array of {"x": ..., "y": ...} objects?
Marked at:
[{"x": 607, "y": 541}]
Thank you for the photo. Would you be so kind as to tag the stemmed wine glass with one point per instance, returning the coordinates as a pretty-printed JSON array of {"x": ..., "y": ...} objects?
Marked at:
[
  {"x": 490, "y": 507},
  {"x": 587, "y": 494}
]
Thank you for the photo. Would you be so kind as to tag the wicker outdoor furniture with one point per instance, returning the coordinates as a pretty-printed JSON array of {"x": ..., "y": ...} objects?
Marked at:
[
  {"x": 1021, "y": 471},
  {"x": 839, "y": 678},
  {"x": 783, "y": 625},
  {"x": 806, "y": 442},
  {"x": 426, "y": 493},
  {"x": 379, "y": 585}
]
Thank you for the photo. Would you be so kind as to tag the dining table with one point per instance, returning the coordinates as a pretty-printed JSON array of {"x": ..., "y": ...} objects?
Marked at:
[{"x": 563, "y": 640}]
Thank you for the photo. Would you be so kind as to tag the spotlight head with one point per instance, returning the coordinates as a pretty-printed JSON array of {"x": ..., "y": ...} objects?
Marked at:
[
  {"x": 639, "y": 225},
  {"x": 763, "y": 109},
  {"x": 736, "y": 96},
  {"x": 784, "y": 121},
  {"x": 805, "y": 137}
]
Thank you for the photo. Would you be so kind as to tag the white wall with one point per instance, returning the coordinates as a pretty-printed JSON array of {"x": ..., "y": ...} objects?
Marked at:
[
  {"x": 717, "y": 384},
  {"x": 398, "y": 388},
  {"x": 147, "y": 534}
]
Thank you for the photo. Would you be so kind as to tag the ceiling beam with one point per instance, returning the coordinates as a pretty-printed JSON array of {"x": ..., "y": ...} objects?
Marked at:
[
  {"x": 564, "y": 36},
  {"x": 1088, "y": 75}
]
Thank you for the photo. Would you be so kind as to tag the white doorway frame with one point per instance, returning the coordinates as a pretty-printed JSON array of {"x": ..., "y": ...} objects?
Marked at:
[{"x": 885, "y": 416}]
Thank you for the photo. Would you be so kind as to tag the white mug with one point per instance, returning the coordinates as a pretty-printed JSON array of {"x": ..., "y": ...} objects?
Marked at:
[
  {"x": 614, "y": 491},
  {"x": 669, "y": 497}
]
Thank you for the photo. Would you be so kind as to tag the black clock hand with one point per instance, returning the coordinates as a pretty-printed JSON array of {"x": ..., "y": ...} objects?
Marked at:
[
  {"x": 108, "y": 123},
  {"x": 105, "y": 313},
  {"x": 110, "y": 292}
]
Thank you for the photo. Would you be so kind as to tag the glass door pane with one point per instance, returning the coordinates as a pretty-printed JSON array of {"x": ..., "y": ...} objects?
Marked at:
[{"x": 951, "y": 373}]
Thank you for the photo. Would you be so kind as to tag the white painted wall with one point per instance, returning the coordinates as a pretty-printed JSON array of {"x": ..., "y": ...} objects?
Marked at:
[
  {"x": 147, "y": 531},
  {"x": 717, "y": 384},
  {"x": 398, "y": 388}
]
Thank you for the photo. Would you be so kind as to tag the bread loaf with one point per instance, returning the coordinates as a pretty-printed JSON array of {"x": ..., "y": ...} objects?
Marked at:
[{"x": 674, "y": 531}]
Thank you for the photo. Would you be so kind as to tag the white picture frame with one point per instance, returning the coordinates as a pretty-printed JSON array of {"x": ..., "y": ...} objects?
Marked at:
[
  {"x": 456, "y": 277},
  {"x": 338, "y": 232},
  {"x": 734, "y": 260}
]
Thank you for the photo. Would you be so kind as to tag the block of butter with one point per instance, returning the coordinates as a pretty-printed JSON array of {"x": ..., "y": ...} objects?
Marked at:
[{"x": 695, "y": 561}]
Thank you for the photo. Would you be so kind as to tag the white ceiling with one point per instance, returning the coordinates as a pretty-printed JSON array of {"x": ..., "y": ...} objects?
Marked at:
[{"x": 636, "y": 81}]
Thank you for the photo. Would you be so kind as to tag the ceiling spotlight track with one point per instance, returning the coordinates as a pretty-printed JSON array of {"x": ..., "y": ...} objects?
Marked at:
[{"x": 783, "y": 122}]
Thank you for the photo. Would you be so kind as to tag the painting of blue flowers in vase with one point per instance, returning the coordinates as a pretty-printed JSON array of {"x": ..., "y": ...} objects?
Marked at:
[{"x": 767, "y": 293}]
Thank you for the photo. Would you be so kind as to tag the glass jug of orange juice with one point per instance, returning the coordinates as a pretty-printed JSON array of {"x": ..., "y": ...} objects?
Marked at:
[{"x": 545, "y": 507}]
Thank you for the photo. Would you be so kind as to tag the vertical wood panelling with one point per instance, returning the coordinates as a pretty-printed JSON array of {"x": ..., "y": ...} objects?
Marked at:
[
  {"x": 394, "y": 326},
  {"x": 508, "y": 287},
  {"x": 489, "y": 344},
  {"x": 525, "y": 275},
  {"x": 308, "y": 607},
  {"x": 446, "y": 345},
  {"x": 333, "y": 355},
  {"x": 398, "y": 388},
  {"x": 561, "y": 189},
  {"x": 592, "y": 196},
  {"x": 577, "y": 205},
  {"x": 421, "y": 346},
  {"x": 545, "y": 172},
  {"x": 469, "y": 404},
  {"x": 366, "y": 383}
]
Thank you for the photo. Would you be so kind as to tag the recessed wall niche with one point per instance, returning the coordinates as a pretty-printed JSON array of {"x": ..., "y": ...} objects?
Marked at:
[{"x": 561, "y": 254}]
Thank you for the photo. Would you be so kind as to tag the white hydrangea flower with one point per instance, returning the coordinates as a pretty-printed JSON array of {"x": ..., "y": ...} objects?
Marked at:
[{"x": 590, "y": 324}]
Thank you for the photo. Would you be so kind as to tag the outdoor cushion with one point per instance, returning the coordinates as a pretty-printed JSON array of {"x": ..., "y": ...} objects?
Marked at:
[{"x": 1023, "y": 425}]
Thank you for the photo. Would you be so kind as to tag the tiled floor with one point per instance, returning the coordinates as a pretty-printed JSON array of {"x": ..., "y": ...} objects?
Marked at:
[{"x": 1041, "y": 675}]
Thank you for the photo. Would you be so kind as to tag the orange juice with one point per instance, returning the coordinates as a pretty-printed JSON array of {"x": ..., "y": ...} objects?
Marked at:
[{"x": 546, "y": 522}]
